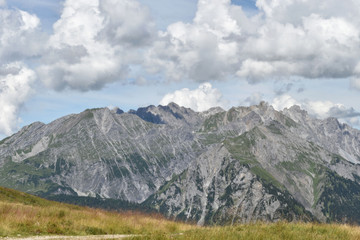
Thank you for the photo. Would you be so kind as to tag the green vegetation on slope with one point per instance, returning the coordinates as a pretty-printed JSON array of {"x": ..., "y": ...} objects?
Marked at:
[
  {"x": 212, "y": 123},
  {"x": 340, "y": 199},
  {"x": 240, "y": 146},
  {"x": 29, "y": 176}
]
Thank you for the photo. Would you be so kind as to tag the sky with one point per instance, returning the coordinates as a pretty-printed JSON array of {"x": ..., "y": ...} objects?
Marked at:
[{"x": 62, "y": 57}]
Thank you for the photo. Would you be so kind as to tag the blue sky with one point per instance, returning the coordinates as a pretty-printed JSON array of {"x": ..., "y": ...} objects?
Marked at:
[{"x": 62, "y": 57}]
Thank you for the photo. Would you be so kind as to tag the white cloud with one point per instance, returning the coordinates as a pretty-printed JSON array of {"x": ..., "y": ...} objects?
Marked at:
[
  {"x": 200, "y": 99},
  {"x": 319, "y": 109},
  {"x": 355, "y": 121},
  {"x": 203, "y": 50},
  {"x": 310, "y": 39},
  {"x": 292, "y": 11},
  {"x": 94, "y": 43},
  {"x": 325, "y": 109},
  {"x": 20, "y": 40},
  {"x": 127, "y": 22},
  {"x": 20, "y": 35},
  {"x": 322, "y": 109},
  {"x": 255, "y": 70},
  {"x": 15, "y": 89},
  {"x": 283, "y": 101}
]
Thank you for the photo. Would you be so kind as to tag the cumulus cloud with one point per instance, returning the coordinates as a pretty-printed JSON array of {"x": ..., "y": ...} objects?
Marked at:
[
  {"x": 15, "y": 88},
  {"x": 284, "y": 101},
  {"x": 319, "y": 109},
  {"x": 200, "y": 99},
  {"x": 94, "y": 42},
  {"x": 323, "y": 109},
  {"x": 203, "y": 50},
  {"x": 311, "y": 39},
  {"x": 20, "y": 35},
  {"x": 21, "y": 40},
  {"x": 127, "y": 23}
]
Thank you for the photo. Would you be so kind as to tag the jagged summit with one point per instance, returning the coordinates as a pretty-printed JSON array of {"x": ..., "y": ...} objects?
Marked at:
[
  {"x": 170, "y": 114},
  {"x": 217, "y": 166},
  {"x": 117, "y": 110}
]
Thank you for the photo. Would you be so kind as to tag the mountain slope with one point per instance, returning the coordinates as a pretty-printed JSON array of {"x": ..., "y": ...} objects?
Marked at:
[
  {"x": 26, "y": 215},
  {"x": 98, "y": 152},
  {"x": 240, "y": 165}
]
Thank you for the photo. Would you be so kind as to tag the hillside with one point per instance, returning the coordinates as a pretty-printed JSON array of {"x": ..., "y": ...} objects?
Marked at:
[
  {"x": 215, "y": 167},
  {"x": 26, "y": 215}
]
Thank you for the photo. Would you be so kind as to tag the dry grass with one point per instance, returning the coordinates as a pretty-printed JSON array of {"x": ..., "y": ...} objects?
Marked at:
[
  {"x": 268, "y": 231},
  {"x": 62, "y": 219},
  {"x": 29, "y": 216},
  {"x": 277, "y": 231}
]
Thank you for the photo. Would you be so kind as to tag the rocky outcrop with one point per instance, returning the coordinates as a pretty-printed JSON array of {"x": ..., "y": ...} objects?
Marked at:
[{"x": 217, "y": 188}]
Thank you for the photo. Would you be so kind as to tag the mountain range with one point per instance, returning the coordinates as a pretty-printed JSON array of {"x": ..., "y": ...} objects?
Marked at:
[{"x": 213, "y": 167}]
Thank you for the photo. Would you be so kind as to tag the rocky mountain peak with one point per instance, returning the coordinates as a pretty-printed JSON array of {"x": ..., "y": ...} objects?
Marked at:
[
  {"x": 212, "y": 111},
  {"x": 117, "y": 110},
  {"x": 171, "y": 114},
  {"x": 296, "y": 113},
  {"x": 149, "y": 114}
]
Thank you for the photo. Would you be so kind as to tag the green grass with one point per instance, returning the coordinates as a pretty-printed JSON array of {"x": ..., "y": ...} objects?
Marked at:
[
  {"x": 266, "y": 176},
  {"x": 211, "y": 138},
  {"x": 240, "y": 147},
  {"x": 213, "y": 122},
  {"x": 274, "y": 129}
]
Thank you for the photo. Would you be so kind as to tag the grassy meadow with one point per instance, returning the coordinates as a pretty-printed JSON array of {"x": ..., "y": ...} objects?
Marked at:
[
  {"x": 26, "y": 215},
  {"x": 276, "y": 231}
]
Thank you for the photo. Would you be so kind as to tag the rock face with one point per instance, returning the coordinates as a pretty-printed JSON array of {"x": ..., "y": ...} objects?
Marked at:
[{"x": 214, "y": 167}]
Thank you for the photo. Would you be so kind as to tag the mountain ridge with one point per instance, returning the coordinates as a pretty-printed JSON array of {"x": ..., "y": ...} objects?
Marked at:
[{"x": 217, "y": 166}]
